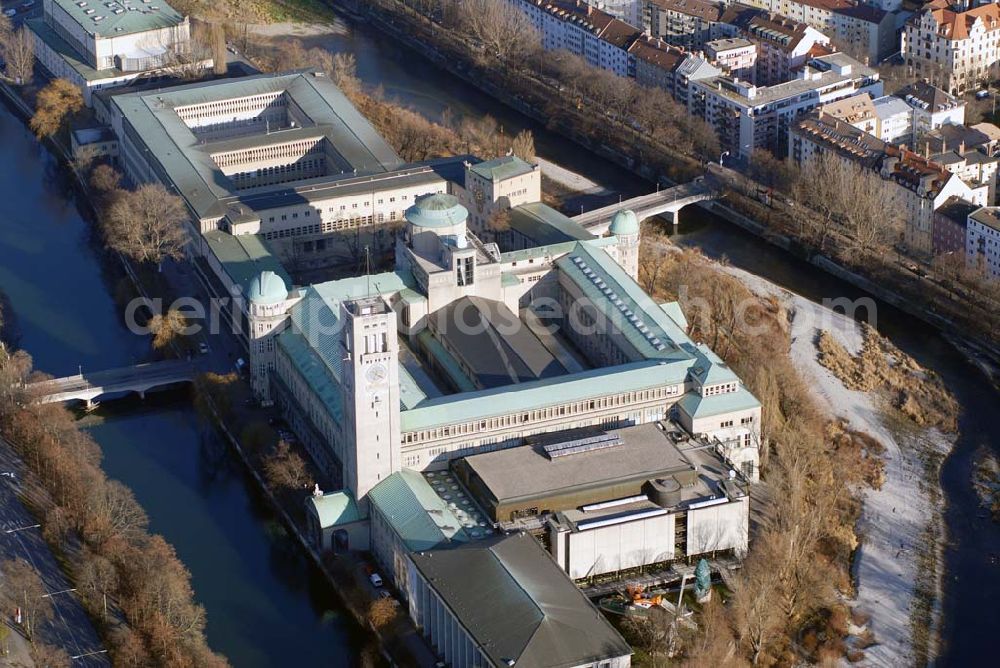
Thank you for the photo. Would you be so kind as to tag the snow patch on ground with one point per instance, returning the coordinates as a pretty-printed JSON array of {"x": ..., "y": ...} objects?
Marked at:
[
  {"x": 569, "y": 179},
  {"x": 894, "y": 517}
]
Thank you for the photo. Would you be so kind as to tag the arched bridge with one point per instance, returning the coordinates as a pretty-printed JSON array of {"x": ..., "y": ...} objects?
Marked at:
[
  {"x": 140, "y": 378},
  {"x": 666, "y": 201}
]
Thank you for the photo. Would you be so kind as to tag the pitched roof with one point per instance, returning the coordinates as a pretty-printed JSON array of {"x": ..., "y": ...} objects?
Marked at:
[
  {"x": 928, "y": 97},
  {"x": 954, "y": 25},
  {"x": 545, "y": 226},
  {"x": 707, "y": 11},
  {"x": 518, "y": 606},
  {"x": 657, "y": 52},
  {"x": 503, "y": 168},
  {"x": 420, "y": 517}
]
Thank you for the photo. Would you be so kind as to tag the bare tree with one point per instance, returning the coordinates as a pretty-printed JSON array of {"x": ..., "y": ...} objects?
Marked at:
[
  {"x": 56, "y": 103},
  {"x": 218, "y": 41},
  {"x": 23, "y": 588},
  {"x": 286, "y": 469},
  {"x": 523, "y": 145},
  {"x": 19, "y": 53},
  {"x": 168, "y": 329},
  {"x": 147, "y": 224},
  {"x": 503, "y": 31}
]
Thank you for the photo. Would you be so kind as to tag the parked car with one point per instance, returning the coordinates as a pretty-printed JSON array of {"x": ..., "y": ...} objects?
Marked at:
[
  {"x": 9, "y": 12},
  {"x": 203, "y": 348},
  {"x": 982, "y": 94},
  {"x": 375, "y": 579},
  {"x": 384, "y": 594}
]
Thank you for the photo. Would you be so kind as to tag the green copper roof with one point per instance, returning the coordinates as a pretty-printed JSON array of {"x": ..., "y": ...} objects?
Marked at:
[
  {"x": 543, "y": 225},
  {"x": 503, "y": 168},
  {"x": 335, "y": 508},
  {"x": 674, "y": 312},
  {"x": 591, "y": 384},
  {"x": 625, "y": 304},
  {"x": 123, "y": 17},
  {"x": 315, "y": 372},
  {"x": 267, "y": 288},
  {"x": 64, "y": 50},
  {"x": 624, "y": 222},
  {"x": 437, "y": 210},
  {"x": 416, "y": 513},
  {"x": 698, "y": 406},
  {"x": 244, "y": 257}
]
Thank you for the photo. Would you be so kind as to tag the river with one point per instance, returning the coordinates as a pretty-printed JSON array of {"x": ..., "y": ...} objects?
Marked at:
[
  {"x": 972, "y": 576},
  {"x": 260, "y": 595}
]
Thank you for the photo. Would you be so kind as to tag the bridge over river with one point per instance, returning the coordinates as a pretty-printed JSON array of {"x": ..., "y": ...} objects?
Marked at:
[
  {"x": 139, "y": 378},
  {"x": 665, "y": 201}
]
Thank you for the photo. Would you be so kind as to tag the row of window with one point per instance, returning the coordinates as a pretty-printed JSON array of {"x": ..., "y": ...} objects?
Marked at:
[
  {"x": 294, "y": 150},
  {"x": 223, "y": 107},
  {"x": 624, "y": 399}
]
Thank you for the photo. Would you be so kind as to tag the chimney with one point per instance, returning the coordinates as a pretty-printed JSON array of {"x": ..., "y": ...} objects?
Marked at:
[
  {"x": 927, "y": 149},
  {"x": 961, "y": 148},
  {"x": 944, "y": 145}
]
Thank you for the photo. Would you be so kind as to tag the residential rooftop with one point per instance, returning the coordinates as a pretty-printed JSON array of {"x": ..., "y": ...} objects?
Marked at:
[
  {"x": 988, "y": 216},
  {"x": 825, "y": 71}
]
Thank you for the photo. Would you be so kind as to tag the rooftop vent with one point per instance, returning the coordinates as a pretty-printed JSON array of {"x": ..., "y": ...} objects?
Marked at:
[{"x": 578, "y": 445}]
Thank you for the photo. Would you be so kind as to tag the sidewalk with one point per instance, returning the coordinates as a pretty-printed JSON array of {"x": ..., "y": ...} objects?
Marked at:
[
  {"x": 69, "y": 628},
  {"x": 18, "y": 653}
]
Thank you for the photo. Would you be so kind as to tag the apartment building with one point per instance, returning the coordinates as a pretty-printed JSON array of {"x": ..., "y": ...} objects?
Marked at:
[
  {"x": 858, "y": 110},
  {"x": 819, "y": 14},
  {"x": 895, "y": 120},
  {"x": 735, "y": 56},
  {"x": 982, "y": 242},
  {"x": 749, "y": 117},
  {"x": 582, "y": 29},
  {"x": 656, "y": 63},
  {"x": 950, "y": 222},
  {"x": 866, "y": 32},
  {"x": 685, "y": 23},
  {"x": 629, "y": 11},
  {"x": 956, "y": 50},
  {"x": 932, "y": 107},
  {"x": 917, "y": 185},
  {"x": 783, "y": 46}
]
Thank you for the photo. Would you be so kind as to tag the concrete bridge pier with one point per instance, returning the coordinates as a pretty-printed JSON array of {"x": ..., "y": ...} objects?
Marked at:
[{"x": 673, "y": 217}]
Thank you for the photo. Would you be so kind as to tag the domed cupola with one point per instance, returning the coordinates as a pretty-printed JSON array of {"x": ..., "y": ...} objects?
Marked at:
[
  {"x": 624, "y": 223},
  {"x": 267, "y": 288}
]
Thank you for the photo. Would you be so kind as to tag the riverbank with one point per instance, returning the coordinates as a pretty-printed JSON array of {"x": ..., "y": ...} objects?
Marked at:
[
  {"x": 42, "y": 317},
  {"x": 897, "y": 567},
  {"x": 912, "y": 296}
]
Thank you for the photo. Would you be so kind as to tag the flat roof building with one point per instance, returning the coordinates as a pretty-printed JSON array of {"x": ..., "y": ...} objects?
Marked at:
[{"x": 105, "y": 44}]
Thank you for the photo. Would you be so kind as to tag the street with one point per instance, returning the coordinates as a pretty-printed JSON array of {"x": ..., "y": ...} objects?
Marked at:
[{"x": 69, "y": 628}]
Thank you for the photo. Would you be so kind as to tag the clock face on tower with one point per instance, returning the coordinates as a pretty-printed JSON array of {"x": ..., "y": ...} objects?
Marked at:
[{"x": 376, "y": 373}]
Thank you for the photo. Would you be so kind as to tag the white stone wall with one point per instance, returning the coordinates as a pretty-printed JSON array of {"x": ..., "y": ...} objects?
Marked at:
[
  {"x": 619, "y": 546},
  {"x": 724, "y": 526}
]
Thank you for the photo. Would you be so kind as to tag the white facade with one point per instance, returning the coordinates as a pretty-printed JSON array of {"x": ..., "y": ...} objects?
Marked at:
[
  {"x": 749, "y": 117},
  {"x": 982, "y": 242},
  {"x": 957, "y": 51},
  {"x": 648, "y": 536},
  {"x": 87, "y": 46},
  {"x": 582, "y": 30},
  {"x": 628, "y": 11},
  {"x": 895, "y": 120}
]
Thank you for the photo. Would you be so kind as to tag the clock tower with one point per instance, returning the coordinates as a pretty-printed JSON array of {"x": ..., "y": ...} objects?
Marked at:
[{"x": 370, "y": 389}]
